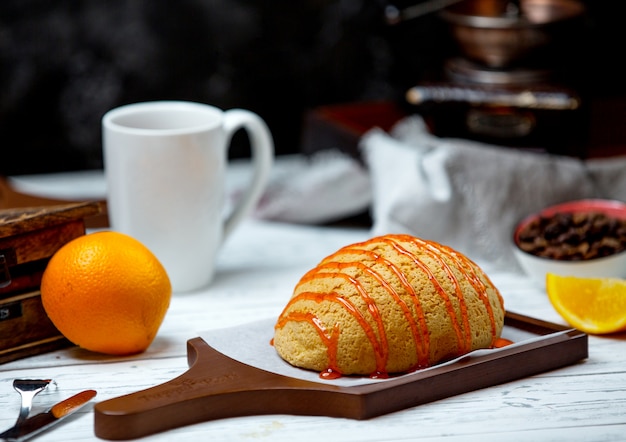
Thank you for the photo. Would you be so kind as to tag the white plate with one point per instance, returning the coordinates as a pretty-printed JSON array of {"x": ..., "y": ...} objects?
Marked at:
[{"x": 78, "y": 185}]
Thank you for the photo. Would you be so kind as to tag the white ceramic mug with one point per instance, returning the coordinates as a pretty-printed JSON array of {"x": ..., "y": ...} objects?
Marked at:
[{"x": 165, "y": 164}]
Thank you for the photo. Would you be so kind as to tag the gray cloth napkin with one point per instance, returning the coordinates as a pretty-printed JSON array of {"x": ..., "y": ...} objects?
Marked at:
[
  {"x": 324, "y": 187},
  {"x": 470, "y": 195}
]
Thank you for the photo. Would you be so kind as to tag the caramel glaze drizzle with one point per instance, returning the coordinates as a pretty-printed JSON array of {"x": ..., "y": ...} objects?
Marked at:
[
  {"x": 330, "y": 268},
  {"x": 467, "y": 266}
]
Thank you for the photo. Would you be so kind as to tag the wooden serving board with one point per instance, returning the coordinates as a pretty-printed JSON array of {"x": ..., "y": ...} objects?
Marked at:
[{"x": 216, "y": 386}]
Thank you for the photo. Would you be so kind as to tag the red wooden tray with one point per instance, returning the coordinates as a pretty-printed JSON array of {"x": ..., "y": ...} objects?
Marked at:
[{"x": 216, "y": 386}]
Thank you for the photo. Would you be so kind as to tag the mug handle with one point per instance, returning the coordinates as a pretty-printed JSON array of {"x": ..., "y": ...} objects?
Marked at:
[{"x": 262, "y": 149}]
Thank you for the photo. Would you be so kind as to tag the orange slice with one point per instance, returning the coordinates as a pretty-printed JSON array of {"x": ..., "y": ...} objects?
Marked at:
[{"x": 593, "y": 305}]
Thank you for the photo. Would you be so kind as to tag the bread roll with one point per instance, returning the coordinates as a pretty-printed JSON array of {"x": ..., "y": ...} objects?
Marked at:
[{"x": 392, "y": 304}]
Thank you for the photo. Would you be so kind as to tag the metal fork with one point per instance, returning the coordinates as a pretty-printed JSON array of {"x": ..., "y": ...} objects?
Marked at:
[{"x": 28, "y": 389}]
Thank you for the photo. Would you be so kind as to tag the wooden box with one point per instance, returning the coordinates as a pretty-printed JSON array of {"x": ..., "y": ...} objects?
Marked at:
[{"x": 28, "y": 239}]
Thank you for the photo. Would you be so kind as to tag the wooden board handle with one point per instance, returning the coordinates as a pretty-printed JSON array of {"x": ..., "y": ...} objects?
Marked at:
[{"x": 215, "y": 387}]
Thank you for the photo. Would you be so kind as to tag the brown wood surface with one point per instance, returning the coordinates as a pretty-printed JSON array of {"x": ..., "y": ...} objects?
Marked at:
[
  {"x": 216, "y": 386},
  {"x": 18, "y": 220},
  {"x": 12, "y": 199},
  {"x": 24, "y": 278},
  {"x": 29, "y": 236},
  {"x": 33, "y": 348},
  {"x": 26, "y": 254},
  {"x": 41, "y": 243},
  {"x": 25, "y": 327}
]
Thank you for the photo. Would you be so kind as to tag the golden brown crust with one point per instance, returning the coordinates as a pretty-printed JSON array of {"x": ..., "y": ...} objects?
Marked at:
[{"x": 391, "y": 304}]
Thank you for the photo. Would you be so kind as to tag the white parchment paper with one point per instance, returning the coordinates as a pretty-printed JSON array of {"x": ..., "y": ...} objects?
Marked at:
[{"x": 251, "y": 344}]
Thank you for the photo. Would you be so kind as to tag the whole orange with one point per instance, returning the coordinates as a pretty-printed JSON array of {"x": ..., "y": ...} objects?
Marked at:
[{"x": 106, "y": 292}]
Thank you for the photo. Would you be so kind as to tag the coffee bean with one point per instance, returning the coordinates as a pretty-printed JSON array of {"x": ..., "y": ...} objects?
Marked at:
[{"x": 574, "y": 237}]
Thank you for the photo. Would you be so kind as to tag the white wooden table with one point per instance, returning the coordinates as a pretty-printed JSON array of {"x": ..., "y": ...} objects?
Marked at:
[{"x": 258, "y": 267}]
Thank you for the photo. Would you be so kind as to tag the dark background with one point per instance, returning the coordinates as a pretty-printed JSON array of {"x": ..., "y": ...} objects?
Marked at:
[{"x": 64, "y": 63}]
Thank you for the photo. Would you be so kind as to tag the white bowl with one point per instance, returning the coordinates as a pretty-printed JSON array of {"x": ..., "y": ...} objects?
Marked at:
[{"x": 611, "y": 266}]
